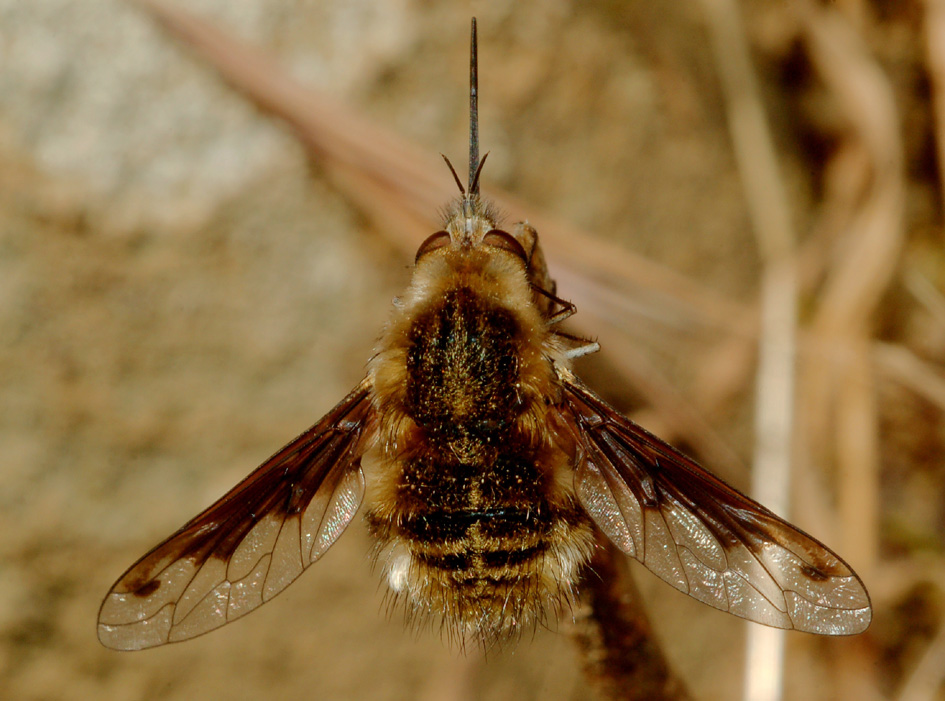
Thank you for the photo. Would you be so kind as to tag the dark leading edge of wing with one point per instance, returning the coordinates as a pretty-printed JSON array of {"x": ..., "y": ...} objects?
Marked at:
[
  {"x": 251, "y": 544},
  {"x": 702, "y": 536}
]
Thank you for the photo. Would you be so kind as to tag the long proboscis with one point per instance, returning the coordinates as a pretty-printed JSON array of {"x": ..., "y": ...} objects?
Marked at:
[{"x": 473, "y": 188}]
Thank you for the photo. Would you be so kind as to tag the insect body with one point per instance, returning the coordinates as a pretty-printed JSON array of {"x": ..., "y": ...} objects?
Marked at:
[
  {"x": 486, "y": 467},
  {"x": 474, "y": 504}
]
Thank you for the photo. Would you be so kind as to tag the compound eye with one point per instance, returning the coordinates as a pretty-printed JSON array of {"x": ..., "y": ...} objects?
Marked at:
[
  {"x": 433, "y": 242},
  {"x": 504, "y": 240}
]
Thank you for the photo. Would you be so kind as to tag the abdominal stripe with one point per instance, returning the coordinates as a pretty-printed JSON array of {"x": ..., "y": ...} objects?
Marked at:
[
  {"x": 477, "y": 564},
  {"x": 436, "y": 527}
]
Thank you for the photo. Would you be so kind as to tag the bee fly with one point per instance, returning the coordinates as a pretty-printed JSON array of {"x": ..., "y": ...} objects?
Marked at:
[{"x": 486, "y": 466}]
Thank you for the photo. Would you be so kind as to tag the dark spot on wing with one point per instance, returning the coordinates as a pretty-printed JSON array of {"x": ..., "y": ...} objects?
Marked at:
[{"x": 147, "y": 589}]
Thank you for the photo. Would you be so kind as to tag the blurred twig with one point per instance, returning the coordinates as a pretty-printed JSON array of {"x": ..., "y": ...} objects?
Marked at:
[
  {"x": 901, "y": 365},
  {"x": 927, "y": 677},
  {"x": 839, "y": 395},
  {"x": 935, "y": 52},
  {"x": 774, "y": 387},
  {"x": 920, "y": 287}
]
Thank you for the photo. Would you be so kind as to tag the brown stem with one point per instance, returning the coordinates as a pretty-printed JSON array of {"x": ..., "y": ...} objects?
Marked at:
[{"x": 620, "y": 655}]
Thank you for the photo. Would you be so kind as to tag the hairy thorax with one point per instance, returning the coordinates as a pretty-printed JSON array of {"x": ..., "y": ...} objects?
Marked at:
[{"x": 471, "y": 504}]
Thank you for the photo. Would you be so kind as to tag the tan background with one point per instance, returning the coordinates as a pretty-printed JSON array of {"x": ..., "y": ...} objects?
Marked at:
[{"x": 181, "y": 291}]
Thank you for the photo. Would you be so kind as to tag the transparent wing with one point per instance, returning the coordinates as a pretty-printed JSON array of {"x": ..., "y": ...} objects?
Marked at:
[
  {"x": 252, "y": 543},
  {"x": 699, "y": 534}
]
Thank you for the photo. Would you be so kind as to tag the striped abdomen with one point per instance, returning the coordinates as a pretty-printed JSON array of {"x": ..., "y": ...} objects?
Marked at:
[{"x": 477, "y": 523}]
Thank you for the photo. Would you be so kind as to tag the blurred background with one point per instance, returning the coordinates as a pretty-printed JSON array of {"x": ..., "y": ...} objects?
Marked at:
[{"x": 183, "y": 289}]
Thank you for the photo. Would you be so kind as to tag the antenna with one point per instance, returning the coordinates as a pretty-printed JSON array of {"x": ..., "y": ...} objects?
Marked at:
[
  {"x": 473, "y": 113},
  {"x": 455, "y": 177}
]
